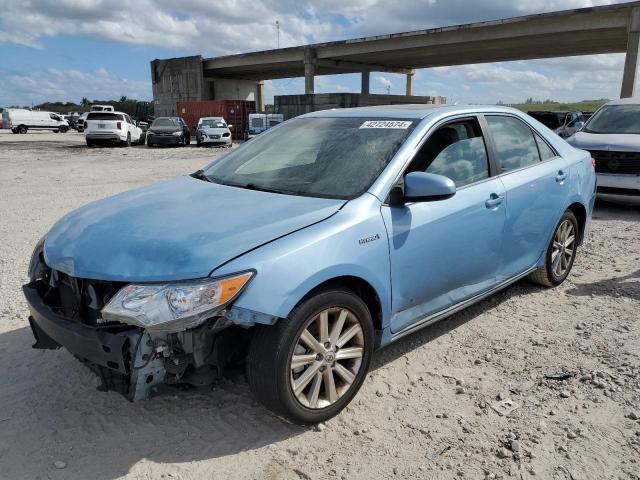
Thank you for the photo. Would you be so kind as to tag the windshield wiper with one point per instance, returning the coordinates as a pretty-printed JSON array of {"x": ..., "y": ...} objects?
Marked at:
[
  {"x": 253, "y": 186},
  {"x": 200, "y": 175}
]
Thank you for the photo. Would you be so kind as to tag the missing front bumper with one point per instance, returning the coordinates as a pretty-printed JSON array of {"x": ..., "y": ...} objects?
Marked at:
[{"x": 124, "y": 360}]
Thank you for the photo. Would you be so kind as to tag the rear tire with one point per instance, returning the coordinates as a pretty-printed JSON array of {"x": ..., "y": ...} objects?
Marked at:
[
  {"x": 22, "y": 129},
  {"x": 334, "y": 370},
  {"x": 560, "y": 254},
  {"x": 127, "y": 142}
]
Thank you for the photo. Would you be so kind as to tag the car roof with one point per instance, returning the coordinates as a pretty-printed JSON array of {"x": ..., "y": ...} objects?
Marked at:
[
  {"x": 108, "y": 111},
  {"x": 212, "y": 118},
  {"x": 410, "y": 111},
  {"x": 625, "y": 101}
]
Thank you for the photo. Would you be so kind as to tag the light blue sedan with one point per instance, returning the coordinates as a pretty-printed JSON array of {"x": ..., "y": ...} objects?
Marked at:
[{"x": 304, "y": 250}]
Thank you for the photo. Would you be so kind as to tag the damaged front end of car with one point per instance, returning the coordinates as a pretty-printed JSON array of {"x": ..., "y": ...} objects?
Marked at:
[{"x": 136, "y": 337}]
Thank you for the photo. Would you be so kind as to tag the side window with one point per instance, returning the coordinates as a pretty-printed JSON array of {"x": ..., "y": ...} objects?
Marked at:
[
  {"x": 53, "y": 116},
  {"x": 457, "y": 151},
  {"x": 545, "y": 150},
  {"x": 514, "y": 142}
]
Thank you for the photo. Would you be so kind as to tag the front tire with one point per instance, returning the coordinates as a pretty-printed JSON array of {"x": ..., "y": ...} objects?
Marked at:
[
  {"x": 560, "y": 254},
  {"x": 308, "y": 367}
]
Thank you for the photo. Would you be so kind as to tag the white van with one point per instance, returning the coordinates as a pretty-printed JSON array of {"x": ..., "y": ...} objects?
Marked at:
[{"x": 20, "y": 120}]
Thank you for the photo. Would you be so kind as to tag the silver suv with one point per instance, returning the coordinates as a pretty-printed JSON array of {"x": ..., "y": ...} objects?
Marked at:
[{"x": 612, "y": 136}]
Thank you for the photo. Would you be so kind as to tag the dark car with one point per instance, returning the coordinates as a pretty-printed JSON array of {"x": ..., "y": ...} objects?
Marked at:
[{"x": 168, "y": 131}]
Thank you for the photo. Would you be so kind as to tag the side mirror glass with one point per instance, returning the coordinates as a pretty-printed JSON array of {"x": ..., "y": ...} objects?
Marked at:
[
  {"x": 579, "y": 125},
  {"x": 229, "y": 126},
  {"x": 426, "y": 187}
]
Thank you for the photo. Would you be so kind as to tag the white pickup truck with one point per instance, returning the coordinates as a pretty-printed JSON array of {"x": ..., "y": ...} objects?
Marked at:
[{"x": 111, "y": 127}]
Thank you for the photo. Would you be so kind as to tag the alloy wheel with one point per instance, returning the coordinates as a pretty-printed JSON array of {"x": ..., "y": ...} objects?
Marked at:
[
  {"x": 563, "y": 248},
  {"x": 326, "y": 358}
]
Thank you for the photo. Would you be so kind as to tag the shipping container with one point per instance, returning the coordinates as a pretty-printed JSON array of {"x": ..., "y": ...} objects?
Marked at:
[{"x": 235, "y": 112}]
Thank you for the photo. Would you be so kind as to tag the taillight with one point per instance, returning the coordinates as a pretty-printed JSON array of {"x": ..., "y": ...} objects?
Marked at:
[
  {"x": 593, "y": 163},
  {"x": 119, "y": 125}
]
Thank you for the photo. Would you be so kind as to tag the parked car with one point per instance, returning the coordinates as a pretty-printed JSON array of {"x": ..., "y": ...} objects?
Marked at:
[
  {"x": 72, "y": 119},
  {"x": 21, "y": 120},
  {"x": 80, "y": 122},
  {"x": 304, "y": 250},
  {"x": 562, "y": 122},
  {"x": 111, "y": 127},
  {"x": 261, "y": 122},
  {"x": 168, "y": 131},
  {"x": 213, "y": 131},
  {"x": 612, "y": 135}
]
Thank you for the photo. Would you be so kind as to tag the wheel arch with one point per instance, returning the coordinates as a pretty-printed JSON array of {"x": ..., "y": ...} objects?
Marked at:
[
  {"x": 363, "y": 289},
  {"x": 580, "y": 212}
]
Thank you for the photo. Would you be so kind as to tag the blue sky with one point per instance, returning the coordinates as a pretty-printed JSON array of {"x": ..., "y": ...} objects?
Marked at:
[{"x": 68, "y": 49}]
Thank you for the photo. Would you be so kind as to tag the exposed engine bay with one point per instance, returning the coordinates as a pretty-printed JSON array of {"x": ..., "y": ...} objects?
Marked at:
[{"x": 66, "y": 311}]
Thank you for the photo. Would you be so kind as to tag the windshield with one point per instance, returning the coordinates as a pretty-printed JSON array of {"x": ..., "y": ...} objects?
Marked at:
[
  {"x": 615, "y": 119},
  {"x": 165, "y": 122},
  {"x": 316, "y": 157},
  {"x": 212, "y": 124}
]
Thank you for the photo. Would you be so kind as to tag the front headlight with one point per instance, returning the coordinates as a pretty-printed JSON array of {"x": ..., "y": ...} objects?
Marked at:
[
  {"x": 173, "y": 307},
  {"x": 178, "y": 133}
]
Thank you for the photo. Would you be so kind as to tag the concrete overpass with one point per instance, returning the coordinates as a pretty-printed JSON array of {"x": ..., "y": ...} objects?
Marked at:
[{"x": 585, "y": 31}]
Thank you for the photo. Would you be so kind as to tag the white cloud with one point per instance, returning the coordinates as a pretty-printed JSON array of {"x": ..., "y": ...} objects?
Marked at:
[
  {"x": 53, "y": 84},
  {"x": 230, "y": 26},
  {"x": 384, "y": 81}
]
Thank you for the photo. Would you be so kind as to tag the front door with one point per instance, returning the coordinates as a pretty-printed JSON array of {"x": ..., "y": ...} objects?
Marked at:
[{"x": 443, "y": 252}]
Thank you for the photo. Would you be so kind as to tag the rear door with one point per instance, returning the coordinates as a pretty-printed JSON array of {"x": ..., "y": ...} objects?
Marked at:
[
  {"x": 535, "y": 180},
  {"x": 446, "y": 251}
]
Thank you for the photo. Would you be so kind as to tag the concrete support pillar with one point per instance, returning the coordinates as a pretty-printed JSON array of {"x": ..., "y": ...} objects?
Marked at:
[
  {"x": 409, "y": 90},
  {"x": 364, "y": 89},
  {"x": 310, "y": 66},
  {"x": 260, "y": 96},
  {"x": 631, "y": 59}
]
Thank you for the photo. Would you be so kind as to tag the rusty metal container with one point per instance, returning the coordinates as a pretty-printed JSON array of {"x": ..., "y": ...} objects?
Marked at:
[{"x": 235, "y": 112}]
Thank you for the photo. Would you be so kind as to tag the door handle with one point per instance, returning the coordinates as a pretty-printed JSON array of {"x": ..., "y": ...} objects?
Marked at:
[
  {"x": 494, "y": 200},
  {"x": 561, "y": 176}
]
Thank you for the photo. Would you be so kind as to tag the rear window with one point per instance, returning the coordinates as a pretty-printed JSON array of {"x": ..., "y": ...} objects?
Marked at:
[{"x": 104, "y": 116}]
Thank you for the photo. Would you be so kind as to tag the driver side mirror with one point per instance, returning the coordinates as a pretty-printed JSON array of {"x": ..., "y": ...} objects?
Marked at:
[
  {"x": 229, "y": 127},
  {"x": 423, "y": 187},
  {"x": 579, "y": 126}
]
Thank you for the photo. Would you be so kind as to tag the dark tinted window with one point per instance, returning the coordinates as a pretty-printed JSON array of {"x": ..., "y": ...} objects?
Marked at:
[
  {"x": 514, "y": 142},
  {"x": 320, "y": 157},
  {"x": 546, "y": 151},
  {"x": 457, "y": 151},
  {"x": 104, "y": 116}
]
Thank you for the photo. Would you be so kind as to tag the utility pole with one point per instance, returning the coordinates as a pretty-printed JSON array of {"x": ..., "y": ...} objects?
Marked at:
[{"x": 278, "y": 32}]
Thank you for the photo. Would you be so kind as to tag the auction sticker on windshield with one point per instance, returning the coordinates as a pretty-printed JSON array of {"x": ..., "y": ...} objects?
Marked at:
[{"x": 386, "y": 124}]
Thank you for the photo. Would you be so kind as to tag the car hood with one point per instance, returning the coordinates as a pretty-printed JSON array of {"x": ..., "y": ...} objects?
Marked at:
[
  {"x": 614, "y": 142},
  {"x": 165, "y": 129},
  {"x": 214, "y": 131},
  {"x": 174, "y": 230}
]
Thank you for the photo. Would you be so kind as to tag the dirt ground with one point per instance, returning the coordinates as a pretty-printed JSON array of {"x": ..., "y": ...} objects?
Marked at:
[{"x": 567, "y": 358}]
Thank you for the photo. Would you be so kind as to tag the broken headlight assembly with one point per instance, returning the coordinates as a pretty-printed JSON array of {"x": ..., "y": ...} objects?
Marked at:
[{"x": 176, "y": 306}]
